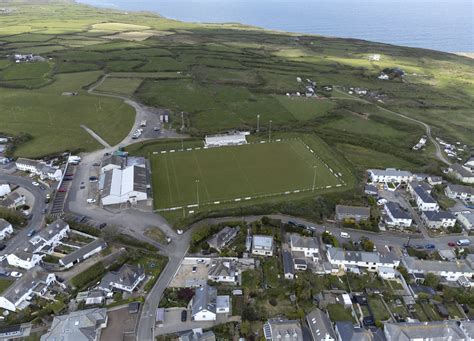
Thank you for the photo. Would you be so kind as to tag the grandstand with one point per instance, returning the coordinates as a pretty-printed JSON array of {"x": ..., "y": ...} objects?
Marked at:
[{"x": 233, "y": 139}]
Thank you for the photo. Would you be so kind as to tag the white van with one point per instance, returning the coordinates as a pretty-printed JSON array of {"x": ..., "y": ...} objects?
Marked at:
[
  {"x": 463, "y": 242},
  {"x": 345, "y": 235}
]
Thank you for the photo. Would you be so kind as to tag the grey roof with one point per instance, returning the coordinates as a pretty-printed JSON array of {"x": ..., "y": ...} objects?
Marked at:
[
  {"x": 79, "y": 254},
  {"x": 416, "y": 264},
  {"x": 288, "y": 265},
  {"x": 280, "y": 329},
  {"x": 457, "y": 168},
  {"x": 204, "y": 298},
  {"x": 83, "y": 325},
  {"x": 461, "y": 189},
  {"x": 262, "y": 242},
  {"x": 304, "y": 242},
  {"x": 320, "y": 325},
  {"x": 21, "y": 286},
  {"x": 223, "y": 237},
  {"x": 192, "y": 335},
  {"x": 126, "y": 275},
  {"x": 139, "y": 179},
  {"x": 222, "y": 267},
  {"x": 424, "y": 195},
  {"x": 434, "y": 331},
  {"x": 348, "y": 333},
  {"x": 370, "y": 188},
  {"x": 107, "y": 185},
  {"x": 361, "y": 256},
  {"x": 112, "y": 160},
  {"x": 28, "y": 162},
  {"x": 390, "y": 172},
  {"x": 3, "y": 223},
  {"x": 438, "y": 216},
  {"x": 52, "y": 229},
  {"x": 353, "y": 210},
  {"x": 396, "y": 210}
]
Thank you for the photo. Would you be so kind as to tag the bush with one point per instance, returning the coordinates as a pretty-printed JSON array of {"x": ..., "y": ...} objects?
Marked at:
[
  {"x": 84, "y": 228},
  {"x": 91, "y": 275},
  {"x": 13, "y": 217}
]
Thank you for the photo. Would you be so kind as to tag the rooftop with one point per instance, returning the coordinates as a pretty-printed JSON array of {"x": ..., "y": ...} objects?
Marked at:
[
  {"x": 396, "y": 211},
  {"x": 320, "y": 325},
  {"x": 436, "y": 266},
  {"x": 204, "y": 299},
  {"x": 438, "y": 216},
  {"x": 390, "y": 172},
  {"x": 297, "y": 240},
  {"x": 78, "y": 254},
  {"x": 424, "y": 195},
  {"x": 435, "y": 330},
  {"x": 280, "y": 329},
  {"x": 361, "y": 256},
  {"x": 353, "y": 210},
  {"x": 262, "y": 242},
  {"x": 288, "y": 266},
  {"x": 456, "y": 167},
  {"x": 461, "y": 189}
]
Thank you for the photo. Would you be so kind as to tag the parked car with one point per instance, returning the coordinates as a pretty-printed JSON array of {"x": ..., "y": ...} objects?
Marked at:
[
  {"x": 430, "y": 246},
  {"x": 91, "y": 201},
  {"x": 291, "y": 222},
  {"x": 2, "y": 247},
  {"x": 34, "y": 183},
  {"x": 463, "y": 242},
  {"x": 44, "y": 211},
  {"x": 95, "y": 164},
  {"x": 452, "y": 244},
  {"x": 16, "y": 274},
  {"x": 184, "y": 316},
  {"x": 42, "y": 188},
  {"x": 156, "y": 129},
  {"x": 345, "y": 235},
  {"x": 101, "y": 226},
  {"x": 62, "y": 190},
  {"x": 31, "y": 233},
  {"x": 418, "y": 247},
  {"x": 194, "y": 268},
  {"x": 93, "y": 179}
]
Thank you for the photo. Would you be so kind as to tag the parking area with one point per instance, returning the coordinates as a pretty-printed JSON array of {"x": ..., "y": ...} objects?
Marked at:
[
  {"x": 192, "y": 272},
  {"x": 120, "y": 325}
]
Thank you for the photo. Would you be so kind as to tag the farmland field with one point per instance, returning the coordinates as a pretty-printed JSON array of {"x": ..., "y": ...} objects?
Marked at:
[{"x": 237, "y": 173}]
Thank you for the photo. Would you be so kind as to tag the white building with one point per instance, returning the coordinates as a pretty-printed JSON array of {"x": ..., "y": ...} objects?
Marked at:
[
  {"x": 386, "y": 272},
  {"x": 50, "y": 236},
  {"x": 127, "y": 278},
  {"x": 465, "y": 193},
  {"x": 396, "y": 216},
  {"x": 466, "y": 220},
  {"x": 127, "y": 185},
  {"x": 308, "y": 245},
  {"x": 226, "y": 139},
  {"x": 204, "y": 304},
  {"x": 39, "y": 168},
  {"x": 370, "y": 261},
  {"x": 222, "y": 304},
  {"x": 262, "y": 245},
  {"x": 4, "y": 189},
  {"x": 438, "y": 219},
  {"x": 223, "y": 270},
  {"x": 110, "y": 162},
  {"x": 451, "y": 271},
  {"x": 469, "y": 164},
  {"x": 389, "y": 175},
  {"x": 13, "y": 200},
  {"x": 18, "y": 295},
  {"x": 424, "y": 200},
  {"x": 461, "y": 173},
  {"x": 83, "y": 253},
  {"x": 24, "y": 258},
  {"x": 6, "y": 229}
]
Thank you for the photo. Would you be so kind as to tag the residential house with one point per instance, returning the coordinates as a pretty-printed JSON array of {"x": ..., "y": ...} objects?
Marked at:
[
  {"x": 396, "y": 216},
  {"x": 204, "y": 302},
  {"x": 127, "y": 278},
  {"x": 370, "y": 189},
  {"x": 438, "y": 219},
  {"x": 82, "y": 325},
  {"x": 223, "y": 304},
  {"x": 6, "y": 229},
  {"x": 387, "y": 272},
  {"x": 390, "y": 175},
  {"x": 461, "y": 173},
  {"x": 13, "y": 200},
  {"x": 469, "y": 164},
  {"x": 94, "y": 297},
  {"x": 50, "y": 236},
  {"x": 435, "y": 180},
  {"x": 424, "y": 201},
  {"x": 320, "y": 326},
  {"x": 223, "y": 238},
  {"x": 345, "y": 331},
  {"x": 223, "y": 270},
  {"x": 371, "y": 261},
  {"x": 282, "y": 329},
  {"x": 352, "y": 213},
  {"x": 110, "y": 162},
  {"x": 123, "y": 186},
  {"x": 288, "y": 266},
  {"x": 197, "y": 335},
  {"x": 426, "y": 331},
  {"x": 24, "y": 258},
  {"x": 4, "y": 189},
  {"x": 18, "y": 295},
  {"x": 83, "y": 253},
  {"x": 39, "y": 168},
  {"x": 307, "y": 245},
  {"x": 451, "y": 271},
  {"x": 465, "y": 193},
  {"x": 466, "y": 220},
  {"x": 262, "y": 245}
]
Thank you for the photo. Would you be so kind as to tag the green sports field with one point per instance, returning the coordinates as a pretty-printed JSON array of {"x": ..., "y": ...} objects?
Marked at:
[{"x": 237, "y": 173}]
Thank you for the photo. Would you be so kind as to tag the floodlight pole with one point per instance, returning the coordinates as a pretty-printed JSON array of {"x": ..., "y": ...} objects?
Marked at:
[
  {"x": 314, "y": 177},
  {"x": 270, "y": 132},
  {"x": 182, "y": 120},
  {"x": 197, "y": 191},
  {"x": 258, "y": 123}
]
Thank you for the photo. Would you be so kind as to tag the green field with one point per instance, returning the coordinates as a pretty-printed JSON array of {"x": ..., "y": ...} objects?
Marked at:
[{"x": 237, "y": 173}]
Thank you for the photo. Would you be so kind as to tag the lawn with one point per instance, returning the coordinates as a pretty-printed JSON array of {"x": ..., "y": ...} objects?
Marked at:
[
  {"x": 337, "y": 312},
  {"x": 121, "y": 86},
  {"x": 237, "y": 173},
  {"x": 4, "y": 284}
]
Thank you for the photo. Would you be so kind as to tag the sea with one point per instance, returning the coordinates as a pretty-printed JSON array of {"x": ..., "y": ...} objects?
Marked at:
[{"x": 444, "y": 25}]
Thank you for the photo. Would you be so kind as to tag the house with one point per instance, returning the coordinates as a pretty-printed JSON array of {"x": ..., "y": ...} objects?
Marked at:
[
  {"x": 434, "y": 180},
  {"x": 39, "y": 168},
  {"x": 352, "y": 213},
  {"x": 288, "y": 266},
  {"x": 13, "y": 200},
  {"x": 436, "y": 220},
  {"x": 223, "y": 304},
  {"x": 127, "y": 278},
  {"x": 82, "y": 325},
  {"x": 370, "y": 189},
  {"x": 222, "y": 238},
  {"x": 94, "y": 297},
  {"x": 423, "y": 331},
  {"x": 396, "y": 216},
  {"x": 223, "y": 270},
  {"x": 237, "y": 138},
  {"x": 451, "y": 271},
  {"x": 307, "y": 245},
  {"x": 24, "y": 258},
  {"x": 120, "y": 186},
  {"x": 461, "y": 173},
  {"x": 465, "y": 193},
  {"x": 345, "y": 331},
  {"x": 203, "y": 306},
  {"x": 466, "y": 220},
  {"x": 389, "y": 175},
  {"x": 469, "y": 164},
  {"x": 197, "y": 335},
  {"x": 83, "y": 253},
  {"x": 110, "y": 162},
  {"x": 423, "y": 199},
  {"x": 300, "y": 264},
  {"x": 4, "y": 189},
  {"x": 282, "y": 329},
  {"x": 18, "y": 295},
  {"x": 371, "y": 261},
  {"x": 50, "y": 236},
  {"x": 387, "y": 272},
  {"x": 6, "y": 229},
  {"x": 320, "y": 326},
  {"x": 262, "y": 245}
]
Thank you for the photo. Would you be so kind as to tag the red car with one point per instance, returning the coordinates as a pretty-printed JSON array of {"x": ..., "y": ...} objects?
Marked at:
[
  {"x": 452, "y": 244},
  {"x": 62, "y": 190}
]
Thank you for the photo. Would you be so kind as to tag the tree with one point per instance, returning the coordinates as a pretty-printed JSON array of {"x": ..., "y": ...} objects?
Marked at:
[
  {"x": 245, "y": 328},
  {"x": 431, "y": 280},
  {"x": 367, "y": 244}
]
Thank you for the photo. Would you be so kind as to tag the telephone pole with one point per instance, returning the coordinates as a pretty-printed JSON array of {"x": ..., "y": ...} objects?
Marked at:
[
  {"x": 314, "y": 177},
  {"x": 270, "y": 132},
  {"x": 197, "y": 191},
  {"x": 258, "y": 123}
]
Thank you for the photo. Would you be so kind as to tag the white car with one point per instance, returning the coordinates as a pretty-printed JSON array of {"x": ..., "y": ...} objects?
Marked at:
[
  {"x": 91, "y": 201},
  {"x": 179, "y": 231},
  {"x": 16, "y": 274},
  {"x": 34, "y": 183}
]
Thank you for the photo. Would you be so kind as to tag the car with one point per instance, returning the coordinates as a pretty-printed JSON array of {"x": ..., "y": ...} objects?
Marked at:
[
  {"x": 42, "y": 188},
  {"x": 44, "y": 211},
  {"x": 430, "y": 246},
  {"x": 452, "y": 244},
  {"x": 46, "y": 200},
  {"x": 34, "y": 183},
  {"x": 16, "y": 274},
  {"x": 62, "y": 190},
  {"x": 345, "y": 235},
  {"x": 311, "y": 228},
  {"x": 291, "y": 222},
  {"x": 194, "y": 268},
  {"x": 101, "y": 226},
  {"x": 168, "y": 239},
  {"x": 2, "y": 247},
  {"x": 96, "y": 164},
  {"x": 91, "y": 201},
  {"x": 184, "y": 316},
  {"x": 303, "y": 226},
  {"x": 200, "y": 261},
  {"x": 179, "y": 231},
  {"x": 156, "y": 129},
  {"x": 82, "y": 187},
  {"x": 31, "y": 233},
  {"x": 48, "y": 196}
]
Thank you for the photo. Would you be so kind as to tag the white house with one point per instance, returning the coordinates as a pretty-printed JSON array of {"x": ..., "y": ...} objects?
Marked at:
[
  {"x": 424, "y": 200},
  {"x": 451, "y": 271},
  {"x": 223, "y": 270},
  {"x": 288, "y": 265},
  {"x": 18, "y": 295},
  {"x": 465, "y": 193},
  {"x": 50, "y": 236},
  {"x": 39, "y": 168},
  {"x": 438, "y": 219},
  {"x": 370, "y": 261},
  {"x": 24, "y": 258},
  {"x": 225, "y": 139},
  {"x": 386, "y": 272},
  {"x": 222, "y": 304},
  {"x": 308, "y": 245},
  {"x": 127, "y": 185},
  {"x": 127, "y": 278},
  {"x": 389, "y": 175},
  {"x": 203, "y": 306},
  {"x": 466, "y": 220},
  {"x": 262, "y": 245},
  {"x": 469, "y": 164},
  {"x": 13, "y": 200},
  {"x": 83, "y": 253},
  {"x": 396, "y": 216},
  {"x": 4, "y": 189},
  {"x": 6, "y": 229},
  {"x": 435, "y": 180},
  {"x": 461, "y": 173}
]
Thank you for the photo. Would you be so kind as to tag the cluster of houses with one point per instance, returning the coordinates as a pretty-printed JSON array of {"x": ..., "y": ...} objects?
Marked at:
[
  {"x": 463, "y": 173},
  {"x": 25, "y": 58},
  {"x": 452, "y": 150},
  {"x": 10, "y": 199},
  {"x": 235, "y": 138},
  {"x": 3, "y": 150},
  {"x": 39, "y": 168}
]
